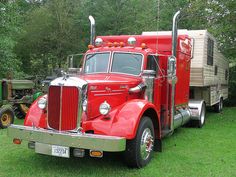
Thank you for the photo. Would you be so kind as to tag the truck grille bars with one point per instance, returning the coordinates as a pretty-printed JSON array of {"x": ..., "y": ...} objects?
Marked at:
[{"x": 63, "y": 107}]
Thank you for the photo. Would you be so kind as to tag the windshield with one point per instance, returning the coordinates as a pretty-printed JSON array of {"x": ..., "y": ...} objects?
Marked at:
[
  {"x": 128, "y": 63},
  {"x": 96, "y": 63}
]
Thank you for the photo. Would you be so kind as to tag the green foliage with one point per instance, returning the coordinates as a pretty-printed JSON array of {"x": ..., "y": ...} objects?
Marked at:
[{"x": 37, "y": 36}]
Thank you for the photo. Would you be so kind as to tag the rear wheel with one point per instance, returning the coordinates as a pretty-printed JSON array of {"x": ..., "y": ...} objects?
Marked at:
[
  {"x": 6, "y": 117},
  {"x": 219, "y": 106},
  {"x": 140, "y": 149}
]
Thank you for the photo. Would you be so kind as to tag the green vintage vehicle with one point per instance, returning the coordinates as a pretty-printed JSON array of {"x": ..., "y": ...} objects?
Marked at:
[{"x": 15, "y": 98}]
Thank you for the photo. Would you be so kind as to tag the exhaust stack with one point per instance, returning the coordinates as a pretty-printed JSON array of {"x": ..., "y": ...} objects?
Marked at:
[
  {"x": 172, "y": 68},
  {"x": 92, "y": 29},
  {"x": 175, "y": 32}
]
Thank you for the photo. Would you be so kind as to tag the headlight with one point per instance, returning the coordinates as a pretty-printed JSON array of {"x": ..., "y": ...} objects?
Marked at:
[
  {"x": 42, "y": 103},
  {"x": 84, "y": 105},
  {"x": 104, "y": 108}
]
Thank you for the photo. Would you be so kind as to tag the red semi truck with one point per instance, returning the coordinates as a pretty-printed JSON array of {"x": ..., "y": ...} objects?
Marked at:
[{"x": 133, "y": 91}]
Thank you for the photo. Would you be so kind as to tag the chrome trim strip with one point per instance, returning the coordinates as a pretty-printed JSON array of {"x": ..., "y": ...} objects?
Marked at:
[
  {"x": 61, "y": 90},
  {"x": 108, "y": 94},
  {"x": 84, "y": 141}
]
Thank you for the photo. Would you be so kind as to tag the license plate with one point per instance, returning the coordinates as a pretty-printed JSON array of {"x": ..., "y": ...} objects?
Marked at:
[{"x": 60, "y": 151}]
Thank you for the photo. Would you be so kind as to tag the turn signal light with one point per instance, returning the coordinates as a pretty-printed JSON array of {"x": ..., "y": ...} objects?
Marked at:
[
  {"x": 16, "y": 141},
  {"x": 94, "y": 153}
]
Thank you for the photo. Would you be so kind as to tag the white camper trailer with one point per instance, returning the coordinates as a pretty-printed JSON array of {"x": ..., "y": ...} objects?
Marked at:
[{"x": 209, "y": 68}]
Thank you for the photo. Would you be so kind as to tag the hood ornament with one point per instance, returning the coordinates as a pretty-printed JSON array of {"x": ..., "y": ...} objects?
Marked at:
[{"x": 64, "y": 75}]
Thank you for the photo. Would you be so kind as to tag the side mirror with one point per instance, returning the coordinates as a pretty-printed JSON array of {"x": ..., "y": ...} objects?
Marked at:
[{"x": 171, "y": 71}]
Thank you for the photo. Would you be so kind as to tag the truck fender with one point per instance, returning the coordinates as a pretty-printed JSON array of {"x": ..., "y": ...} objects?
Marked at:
[
  {"x": 127, "y": 118},
  {"x": 36, "y": 116}
]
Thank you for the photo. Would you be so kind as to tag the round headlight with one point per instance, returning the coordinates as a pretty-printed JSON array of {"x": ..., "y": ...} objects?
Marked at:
[
  {"x": 42, "y": 103},
  {"x": 104, "y": 108},
  {"x": 84, "y": 105}
]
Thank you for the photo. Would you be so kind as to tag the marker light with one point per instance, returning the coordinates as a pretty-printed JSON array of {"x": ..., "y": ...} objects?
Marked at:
[
  {"x": 16, "y": 141},
  {"x": 104, "y": 108},
  {"x": 131, "y": 41},
  {"x": 98, "y": 42},
  {"x": 116, "y": 44},
  {"x": 143, "y": 46},
  {"x": 90, "y": 46},
  {"x": 42, "y": 103},
  {"x": 122, "y": 44},
  {"x": 109, "y": 44}
]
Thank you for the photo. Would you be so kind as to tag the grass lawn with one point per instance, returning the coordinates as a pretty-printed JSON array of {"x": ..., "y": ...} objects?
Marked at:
[{"x": 210, "y": 151}]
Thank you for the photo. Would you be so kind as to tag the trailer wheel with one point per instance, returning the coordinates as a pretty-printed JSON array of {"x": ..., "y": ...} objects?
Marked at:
[
  {"x": 219, "y": 106},
  {"x": 140, "y": 149},
  {"x": 6, "y": 117}
]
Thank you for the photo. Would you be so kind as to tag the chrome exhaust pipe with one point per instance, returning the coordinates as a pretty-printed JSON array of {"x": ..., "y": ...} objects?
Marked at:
[
  {"x": 172, "y": 61},
  {"x": 175, "y": 32},
  {"x": 92, "y": 30}
]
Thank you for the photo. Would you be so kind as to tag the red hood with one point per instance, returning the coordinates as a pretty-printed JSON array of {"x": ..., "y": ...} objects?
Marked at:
[
  {"x": 110, "y": 79},
  {"x": 112, "y": 88}
]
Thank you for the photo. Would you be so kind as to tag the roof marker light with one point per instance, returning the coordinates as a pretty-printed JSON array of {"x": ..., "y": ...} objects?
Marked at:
[
  {"x": 116, "y": 44},
  {"x": 90, "y": 46},
  {"x": 122, "y": 44},
  {"x": 143, "y": 46}
]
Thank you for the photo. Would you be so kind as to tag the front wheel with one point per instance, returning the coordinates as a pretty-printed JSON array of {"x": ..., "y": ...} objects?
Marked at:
[
  {"x": 140, "y": 149},
  {"x": 6, "y": 117}
]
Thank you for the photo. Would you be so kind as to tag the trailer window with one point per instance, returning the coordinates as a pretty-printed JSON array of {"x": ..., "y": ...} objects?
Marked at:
[
  {"x": 96, "y": 63},
  {"x": 210, "y": 51},
  {"x": 128, "y": 63}
]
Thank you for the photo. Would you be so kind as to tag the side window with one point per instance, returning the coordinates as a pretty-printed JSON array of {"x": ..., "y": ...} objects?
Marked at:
[
  {"x": 210, "y": 51},
  {"x": 152, "y": 62}
]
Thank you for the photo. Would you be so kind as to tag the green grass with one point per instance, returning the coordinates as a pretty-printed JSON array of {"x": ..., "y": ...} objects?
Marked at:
[{"x": 210, "y": 151}]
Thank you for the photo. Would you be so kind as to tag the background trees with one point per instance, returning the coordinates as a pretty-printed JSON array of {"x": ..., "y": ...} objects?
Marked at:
[{"x": 37, "y": 35}]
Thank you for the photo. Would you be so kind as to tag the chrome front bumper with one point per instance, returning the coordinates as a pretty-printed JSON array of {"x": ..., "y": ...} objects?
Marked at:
[{"x": 83, "y": 141}]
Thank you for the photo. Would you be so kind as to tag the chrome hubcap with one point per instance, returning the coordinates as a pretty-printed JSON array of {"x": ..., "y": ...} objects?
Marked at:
[{"x": 146, "y": 144}]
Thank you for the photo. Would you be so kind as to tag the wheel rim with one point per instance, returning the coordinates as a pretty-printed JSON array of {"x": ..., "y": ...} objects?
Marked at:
[
  {"x": 203, "y": 114},
  {"x": 146, "y": 144},
  {"x": 6, "y": 119}
]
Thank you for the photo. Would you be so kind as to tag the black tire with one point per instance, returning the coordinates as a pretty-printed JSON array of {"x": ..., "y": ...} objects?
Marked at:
[
  {"x": 219, "y": 106},
  {"x": 6, "y": 117},
  {"x": 133, "y": 156}
]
